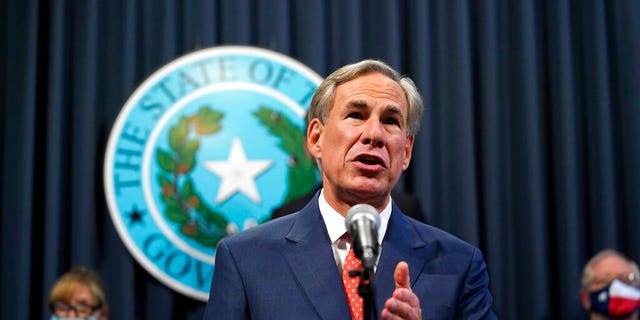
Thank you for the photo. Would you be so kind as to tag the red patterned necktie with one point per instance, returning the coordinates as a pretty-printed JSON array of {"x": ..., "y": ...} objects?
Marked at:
[{"x": 351, "y": 285}]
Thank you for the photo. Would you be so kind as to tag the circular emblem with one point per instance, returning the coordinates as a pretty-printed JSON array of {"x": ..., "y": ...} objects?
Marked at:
[{"x": 206, "y": 147}]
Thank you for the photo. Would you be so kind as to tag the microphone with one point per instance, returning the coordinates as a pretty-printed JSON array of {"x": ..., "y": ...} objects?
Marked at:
[{"x": 362, "y": 223}]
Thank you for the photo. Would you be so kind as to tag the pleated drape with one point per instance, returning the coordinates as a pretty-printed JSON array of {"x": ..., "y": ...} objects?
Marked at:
[{"x": 529, "y": 146}]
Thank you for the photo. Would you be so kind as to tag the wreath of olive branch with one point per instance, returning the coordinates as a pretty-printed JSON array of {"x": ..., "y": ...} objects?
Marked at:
[
  {"x": 183, "y": 204},
  {"x": 301, "y": 176}
]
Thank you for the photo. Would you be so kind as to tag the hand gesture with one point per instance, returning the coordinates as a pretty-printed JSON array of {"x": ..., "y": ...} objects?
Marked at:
[{"x": 403, "y": 304}]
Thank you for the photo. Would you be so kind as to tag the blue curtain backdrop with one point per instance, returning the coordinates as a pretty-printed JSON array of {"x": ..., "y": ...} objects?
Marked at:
[{"x": 530, "y": 147}]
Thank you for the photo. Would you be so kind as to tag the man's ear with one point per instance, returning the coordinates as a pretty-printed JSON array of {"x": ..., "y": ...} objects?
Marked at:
[
  {"x": 314, "y": 135},
  {"x": 408, "y": 150}
]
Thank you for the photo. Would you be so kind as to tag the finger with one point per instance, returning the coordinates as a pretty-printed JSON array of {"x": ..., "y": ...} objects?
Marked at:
[
  {"x": 406, "y": 296},
  {"x": 398, "y": 309},
  {"x": 401, "y": 275}
]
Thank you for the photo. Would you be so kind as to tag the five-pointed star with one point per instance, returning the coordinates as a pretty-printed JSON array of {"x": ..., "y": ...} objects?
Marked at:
[{"x": 237, "y": 173}]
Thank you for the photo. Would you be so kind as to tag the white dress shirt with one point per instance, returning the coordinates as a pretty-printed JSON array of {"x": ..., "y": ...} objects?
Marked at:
[{"x": 334, "y": 222}]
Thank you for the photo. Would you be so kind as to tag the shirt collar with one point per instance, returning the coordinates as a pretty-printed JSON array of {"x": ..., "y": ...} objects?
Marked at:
[{"x": 334, "y": 221}]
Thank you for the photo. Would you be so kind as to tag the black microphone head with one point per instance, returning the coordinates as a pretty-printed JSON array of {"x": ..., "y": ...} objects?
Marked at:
[{"x": 362, "y": 222}]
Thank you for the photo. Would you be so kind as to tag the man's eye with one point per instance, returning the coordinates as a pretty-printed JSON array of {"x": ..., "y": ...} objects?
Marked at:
[
  {"x": 392, "y": 121},
  {"x": 354, "y": 115}
]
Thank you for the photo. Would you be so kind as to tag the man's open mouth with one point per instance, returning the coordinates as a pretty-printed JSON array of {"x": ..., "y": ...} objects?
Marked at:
[{"x": 370, "y": 160}]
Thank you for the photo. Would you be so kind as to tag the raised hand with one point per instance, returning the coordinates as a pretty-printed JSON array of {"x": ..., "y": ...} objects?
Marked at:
[{"x": 403, "y": 303}]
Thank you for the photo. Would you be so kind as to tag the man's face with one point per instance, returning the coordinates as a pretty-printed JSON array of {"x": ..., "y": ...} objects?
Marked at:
[
  {"x": 602, "y": 274},
  {"x": 363, "y": 145}
]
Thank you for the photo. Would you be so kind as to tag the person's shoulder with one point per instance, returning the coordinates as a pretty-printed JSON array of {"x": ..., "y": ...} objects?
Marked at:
[
  {"x": 455, "y": 255},
  {"x": 445, "y": 240},
  {"x": 268, "y": 231}
]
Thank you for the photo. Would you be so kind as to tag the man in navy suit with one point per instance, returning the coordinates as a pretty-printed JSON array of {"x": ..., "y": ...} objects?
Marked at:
[{"x": 361, "y": 128}]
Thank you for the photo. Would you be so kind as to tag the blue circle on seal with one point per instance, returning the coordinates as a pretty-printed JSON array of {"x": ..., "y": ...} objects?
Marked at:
[{"x": 204, "y": 148}]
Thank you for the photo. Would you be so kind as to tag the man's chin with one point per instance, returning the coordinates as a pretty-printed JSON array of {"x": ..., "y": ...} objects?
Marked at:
[{"x": 369, "y": 190}]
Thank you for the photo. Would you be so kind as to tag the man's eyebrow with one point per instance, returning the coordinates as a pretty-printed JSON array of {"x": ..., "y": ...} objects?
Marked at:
[
  {"x": 394, "y": 109},
  {"x": 361, "y": 104},
  {"x": 357, "y": 104}
]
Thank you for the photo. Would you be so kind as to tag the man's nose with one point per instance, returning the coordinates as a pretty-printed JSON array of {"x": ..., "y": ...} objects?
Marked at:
[{"x": 373, "y": 133}]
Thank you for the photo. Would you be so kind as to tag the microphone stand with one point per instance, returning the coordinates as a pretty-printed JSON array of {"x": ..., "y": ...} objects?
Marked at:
[{"x": 367, "y": 291}]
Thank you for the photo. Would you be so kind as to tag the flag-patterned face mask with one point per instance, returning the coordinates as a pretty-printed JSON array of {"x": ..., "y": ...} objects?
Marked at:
[{"x": 617, "y": 300}]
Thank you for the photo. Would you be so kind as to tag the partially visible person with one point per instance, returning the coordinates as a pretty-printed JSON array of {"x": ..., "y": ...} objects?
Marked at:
[
  {"x": 79, "y": 294},
  {"x": 610, "y": 286}
]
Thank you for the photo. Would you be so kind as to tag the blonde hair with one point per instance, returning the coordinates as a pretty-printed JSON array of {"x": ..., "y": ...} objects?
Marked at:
[{"x": 69, "y": 282}]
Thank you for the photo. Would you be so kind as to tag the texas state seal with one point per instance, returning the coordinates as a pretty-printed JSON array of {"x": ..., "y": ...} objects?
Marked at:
[{"x": 206, "y": 147}]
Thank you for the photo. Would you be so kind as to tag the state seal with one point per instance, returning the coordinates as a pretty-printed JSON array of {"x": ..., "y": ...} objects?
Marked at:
[{"x": 206, "y": 147}]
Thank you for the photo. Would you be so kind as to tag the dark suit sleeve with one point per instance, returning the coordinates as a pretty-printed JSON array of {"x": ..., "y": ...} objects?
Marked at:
[
  {"x": 227, "y": 299},
  {"x": 476, "y": 300}
]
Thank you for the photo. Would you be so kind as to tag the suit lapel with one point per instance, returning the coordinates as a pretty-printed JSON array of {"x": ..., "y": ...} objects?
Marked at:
[
  {"x": 401, "y": 243},
  {"x": 311, "y": 260}
]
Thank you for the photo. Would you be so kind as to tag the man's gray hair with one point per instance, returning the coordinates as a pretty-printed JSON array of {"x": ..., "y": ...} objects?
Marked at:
[
  {"x": 587, "y": 272},
  {"x": 323, "y": 97}
]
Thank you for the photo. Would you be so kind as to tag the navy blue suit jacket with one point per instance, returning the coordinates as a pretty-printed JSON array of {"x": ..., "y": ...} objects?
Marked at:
[{"x": 285, "y": 269}]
